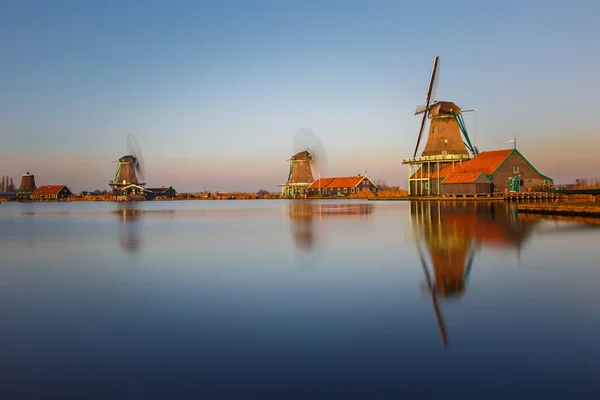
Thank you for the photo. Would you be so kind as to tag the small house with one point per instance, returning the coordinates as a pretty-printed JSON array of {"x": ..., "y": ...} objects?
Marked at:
[
  {"x": 163, "y": 192},
  {"x": 51, "y": 193},
  {"x": 8, "y": 195},
  {"x": 341, "y": 186}
]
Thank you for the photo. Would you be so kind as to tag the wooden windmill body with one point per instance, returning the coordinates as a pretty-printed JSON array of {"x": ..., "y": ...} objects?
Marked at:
[
  {"x": 27, "y": 186},
  {"x": 447, "y": 141},
  {"x": 300, "y": 176}
]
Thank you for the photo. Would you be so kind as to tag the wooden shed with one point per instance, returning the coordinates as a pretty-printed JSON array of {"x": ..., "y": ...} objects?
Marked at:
[{"x": 466, "y": 184}]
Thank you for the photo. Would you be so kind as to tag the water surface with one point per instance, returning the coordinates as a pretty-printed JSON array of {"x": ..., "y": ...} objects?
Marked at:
[{"x": 296, "y": 299}]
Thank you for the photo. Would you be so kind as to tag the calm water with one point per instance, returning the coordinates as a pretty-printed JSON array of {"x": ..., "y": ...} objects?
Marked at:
[{"x": 277, "y": 299}]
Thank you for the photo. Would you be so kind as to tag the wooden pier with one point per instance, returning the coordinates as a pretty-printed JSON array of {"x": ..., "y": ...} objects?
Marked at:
[{"x": 527, "y": 196}]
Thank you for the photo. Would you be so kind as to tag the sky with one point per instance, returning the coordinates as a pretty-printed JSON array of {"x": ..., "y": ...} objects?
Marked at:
[{"x": 214, "y": 91}]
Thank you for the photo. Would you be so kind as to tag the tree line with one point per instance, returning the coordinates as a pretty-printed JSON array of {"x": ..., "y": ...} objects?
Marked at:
[{"x": 7, "y": 185}]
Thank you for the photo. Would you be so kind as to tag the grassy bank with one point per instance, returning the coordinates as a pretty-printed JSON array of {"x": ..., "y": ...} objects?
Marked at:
[
  {"x": 593, "y": 221},
  {"x": 436, "y": 198},
  {"x": 588, "y": 209}
]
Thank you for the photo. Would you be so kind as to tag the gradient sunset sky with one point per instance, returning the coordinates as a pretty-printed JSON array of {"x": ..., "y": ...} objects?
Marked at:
[{"x": 214, "y": 91}]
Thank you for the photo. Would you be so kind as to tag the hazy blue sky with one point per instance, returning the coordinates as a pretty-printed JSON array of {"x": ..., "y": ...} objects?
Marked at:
[{"x": 214, "y": 91}]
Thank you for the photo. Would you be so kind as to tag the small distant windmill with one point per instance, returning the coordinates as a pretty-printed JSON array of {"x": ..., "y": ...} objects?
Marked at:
[
  {"x": 309, "y": 154},
  {"x": 129, "y": 167},
  {"x": 447, "y": 140},
  {"x": 27, "y": 186}
]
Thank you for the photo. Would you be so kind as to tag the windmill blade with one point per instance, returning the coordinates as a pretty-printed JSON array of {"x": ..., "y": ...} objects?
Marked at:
[
  {"x": 420, "y": 110},
  {"x": 436, "y": 308},
  {"x": 435, "y": 76},
  {"x": 423, "y": 121},
  {"x": 134, "y": 149},
  {"x": 306, "y": 140},
  {"x": 431, "y": 89}
]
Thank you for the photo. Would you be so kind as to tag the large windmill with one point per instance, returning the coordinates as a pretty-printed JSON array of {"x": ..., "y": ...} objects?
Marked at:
[
  {"x": 309, "y": 154},
  {"x": 447, "y": 141},
  {"x": 126, "y": 184}
]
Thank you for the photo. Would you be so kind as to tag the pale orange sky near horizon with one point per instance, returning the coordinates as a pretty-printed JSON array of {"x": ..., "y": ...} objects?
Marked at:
[{"x": 250, "y": 173}]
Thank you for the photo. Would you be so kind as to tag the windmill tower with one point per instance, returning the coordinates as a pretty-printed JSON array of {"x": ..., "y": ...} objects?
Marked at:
[
  {"x": 447, "y": 141},
  {"x": 300, "y": 176},
  {"x": 310, "y": 154},
  {"x": 27, "y": 186},
  {"x": 126, "y": 182}
]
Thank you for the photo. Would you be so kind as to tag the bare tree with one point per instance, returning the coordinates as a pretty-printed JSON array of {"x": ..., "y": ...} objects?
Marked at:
[
  {"x": 2, "y": 184},
  {"x": 382, "y": 185}
]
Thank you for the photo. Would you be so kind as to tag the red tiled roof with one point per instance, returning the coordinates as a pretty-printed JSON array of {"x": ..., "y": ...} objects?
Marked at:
[
  {"x": 337, "y": 182},
  {"x": 467, "y": 177},
  {"x": 469, "y": 226},
  {"x": 346, "y": 181},
  {"x": 47, "y": 190},
  {"x": 320, "y": 183},
  {"x": 485, "y": 162}
]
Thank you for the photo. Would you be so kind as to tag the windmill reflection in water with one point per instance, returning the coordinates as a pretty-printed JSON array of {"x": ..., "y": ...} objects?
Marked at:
[
  {"x": 304, "y": 213},
  {"x": 129, "y": 217},
  {"x": 449, "y": 234}
]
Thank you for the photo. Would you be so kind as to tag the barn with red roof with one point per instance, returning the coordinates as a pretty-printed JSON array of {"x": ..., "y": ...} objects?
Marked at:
[
  {"x": 490, "y": 172},
  {"x": 51, "y": 193},
  {"x": 341, "y": 186}
]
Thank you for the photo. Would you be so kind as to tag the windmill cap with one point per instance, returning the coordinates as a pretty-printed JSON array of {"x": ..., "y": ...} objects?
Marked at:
[{"x": 443, "y": 107}]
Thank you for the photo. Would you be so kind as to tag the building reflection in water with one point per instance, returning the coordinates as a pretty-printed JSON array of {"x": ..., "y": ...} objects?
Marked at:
[
  {"x": 448, "y": 236},
  {"x": 129, "y": 232},
  {"x": 306, "y": 215}
]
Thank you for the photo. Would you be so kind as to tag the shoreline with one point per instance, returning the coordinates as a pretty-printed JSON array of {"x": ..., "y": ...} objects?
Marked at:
[
  {"x": 440, "y": 198},
  {"x": 570, "y": 209}
]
